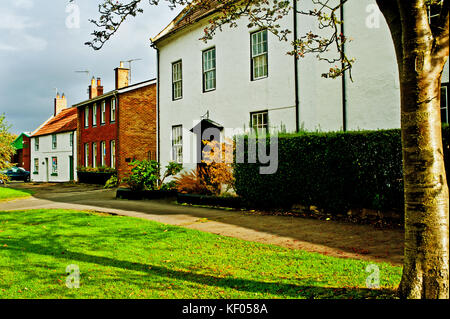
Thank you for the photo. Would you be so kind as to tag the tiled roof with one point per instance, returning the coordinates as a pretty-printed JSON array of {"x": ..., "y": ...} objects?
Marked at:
[
  {"x": 192, "y": 13},
  {"x": 64, "y": 121}
]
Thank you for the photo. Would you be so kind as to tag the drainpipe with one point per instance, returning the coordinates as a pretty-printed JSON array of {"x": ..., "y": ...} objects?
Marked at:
[
  {"x": 158, "y": 152},
  {"x": 297, "y": 102},
  {"x": 344, "y": 80}
]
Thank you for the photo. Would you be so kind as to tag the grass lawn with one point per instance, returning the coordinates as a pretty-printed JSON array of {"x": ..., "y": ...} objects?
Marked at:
[
  {"x": 7, "y": 193},
  {"x": 125, "y": 257}
]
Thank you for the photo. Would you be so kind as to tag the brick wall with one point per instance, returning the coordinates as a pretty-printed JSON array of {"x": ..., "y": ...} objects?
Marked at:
[{"x": 137, "y": 127}]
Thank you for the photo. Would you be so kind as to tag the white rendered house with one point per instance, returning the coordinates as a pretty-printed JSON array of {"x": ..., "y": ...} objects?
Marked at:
[
  {"x": 54, "y": 147},
  {"x": 243, "y": 79}
]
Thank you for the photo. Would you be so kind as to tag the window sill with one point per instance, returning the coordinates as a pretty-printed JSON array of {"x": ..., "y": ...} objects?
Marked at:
[{"x": 260, "y": 78}]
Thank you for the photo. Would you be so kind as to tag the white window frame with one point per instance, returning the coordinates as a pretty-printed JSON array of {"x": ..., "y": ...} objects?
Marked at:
[
  {"x": 71, "y": 135},
  {"x": 113, "y": 110},
  {"x": 54, "y": 141},
  {"x": 94, "y": 154},
  {"x": 86, "y": 116},
  {"x": 36, "y": 144},
  {"x": 259, "y": 49},
  {"x": 86, "y": 154},
  {"x": 94, "y": 114},
  {"x": 103, "y": 153},
  {"x": 36, "y": 165},
  {"x": 209, "y": 67},
  {"x": 257, "y": 121},
  {"x": 444, "y": 101},
  {"x": 113, "y": 153},
  {"x": 177, "y": 143},
  {"x": 103, "y": 114},
  {"x": 177, "y": 80},
  {"x": 55, "y": 167}
]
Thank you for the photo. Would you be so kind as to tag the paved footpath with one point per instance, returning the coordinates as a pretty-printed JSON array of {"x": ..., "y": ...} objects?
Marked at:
[{"x": 327, "y": 237}]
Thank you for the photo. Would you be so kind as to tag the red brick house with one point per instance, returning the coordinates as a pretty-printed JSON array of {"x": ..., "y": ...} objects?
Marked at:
[
  {"x": 22, "y": 146},
  {"x": 119, "y": 126}
]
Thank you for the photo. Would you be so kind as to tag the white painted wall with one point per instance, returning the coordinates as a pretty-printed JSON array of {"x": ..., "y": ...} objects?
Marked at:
[
  {"x": 45, "y": 154},
  {"x": 235, "y": 95}
]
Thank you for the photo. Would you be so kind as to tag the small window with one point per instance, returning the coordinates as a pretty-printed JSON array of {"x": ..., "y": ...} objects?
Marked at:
[
  {"x": 54, "y": 165},
  {"x": 36, "y": 144},
  {"x": 444, "y": 103},
  {"x": 259, "y": 54},
  {"x": 103, "y": 153},
  {"x": 177, "y": 81},
  {"x": 94, "y": 154},
  {"x": 103, "y": 117},
  {"x": 209, "y": 70},
  {"x": 434, "y": 10},
  {"x": 86, "y": 116},
  {"x": 260, "y": 121},
  {"x": 94, "y": 115},
  {"x": 71, "y": 139},
  {"x": 54, "y": 142},
  {"x": 177, "y": 144},
  {"x": 113, "y": 154},
  {"x": 86, "y": 154},
  {"x": 36, "y": 165},
  {"x": 113, "y": 110}
]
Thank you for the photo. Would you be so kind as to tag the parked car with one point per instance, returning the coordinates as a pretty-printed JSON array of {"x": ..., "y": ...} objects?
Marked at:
[{"x": 17, "y": 174}]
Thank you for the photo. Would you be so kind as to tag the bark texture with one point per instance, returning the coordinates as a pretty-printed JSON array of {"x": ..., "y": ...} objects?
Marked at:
[{"x": 421, "y": 56}]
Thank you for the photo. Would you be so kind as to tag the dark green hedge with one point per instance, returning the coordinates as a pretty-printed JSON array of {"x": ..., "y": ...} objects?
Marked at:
[{"x": 334, "y": 171}]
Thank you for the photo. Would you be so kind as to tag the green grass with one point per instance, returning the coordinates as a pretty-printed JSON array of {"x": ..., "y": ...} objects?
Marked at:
[
  {"x": 7, "y": 193},
  {"x": 125, "y": 257}
]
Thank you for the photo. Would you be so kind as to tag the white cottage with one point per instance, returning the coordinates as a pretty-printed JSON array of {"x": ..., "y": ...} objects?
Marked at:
[
  {"x": 243, "y": 78},
  {"x": 54, "y": 147}
]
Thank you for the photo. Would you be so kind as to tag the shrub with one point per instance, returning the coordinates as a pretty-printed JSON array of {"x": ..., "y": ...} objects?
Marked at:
[
  {"x": 334, "y": 171},
  {"x": 112, "y": 182},
  {"x": 99, "y": 169},
  {"x": 145, "y": 175},
  {"x": 192, "y": 183}
]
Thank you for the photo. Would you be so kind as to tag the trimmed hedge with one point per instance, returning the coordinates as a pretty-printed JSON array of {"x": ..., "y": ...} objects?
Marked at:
[
  {"x": 98, "y": 178},
  {"x": 333, "y": 171}
]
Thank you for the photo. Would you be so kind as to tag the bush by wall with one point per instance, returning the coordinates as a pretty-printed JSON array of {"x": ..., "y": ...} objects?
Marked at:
[{"x": 333, "y": 171}]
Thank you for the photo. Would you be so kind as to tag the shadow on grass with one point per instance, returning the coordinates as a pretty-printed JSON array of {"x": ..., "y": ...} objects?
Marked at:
[{"x": 276, "y": 288}]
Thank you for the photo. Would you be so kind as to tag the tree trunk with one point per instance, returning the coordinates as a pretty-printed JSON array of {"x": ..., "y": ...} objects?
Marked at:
[{"x": 426, "y": 258}]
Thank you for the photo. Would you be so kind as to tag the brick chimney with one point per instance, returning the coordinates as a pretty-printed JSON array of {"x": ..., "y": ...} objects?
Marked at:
[
  {"x": 93, "y": 89},
  {"x": 121, "y": 74},
  {"x": 99, "y": 87},
  {"x": 60, "y": 104}
]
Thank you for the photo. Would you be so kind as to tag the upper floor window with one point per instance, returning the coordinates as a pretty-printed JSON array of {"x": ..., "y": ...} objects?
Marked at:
[
  {"x": 86, "y": 116},
  {"x": 113, "y": 110},
  {"x": 177, "y": 81},
  {"x": 54, "y": 141},
  {"x": 177, "y": 144},
  {"x": 94, "y": 115},
  {"x": 444, "y": 103},
  {"x": 260, "y": 121},
  {"x": 209, "y": 70},
  {"x": 259, "y": 54},
  {"x": 36, "y": 144},
  {"x": 103, "y": 115},
  {"x": 71, "y": 139}
]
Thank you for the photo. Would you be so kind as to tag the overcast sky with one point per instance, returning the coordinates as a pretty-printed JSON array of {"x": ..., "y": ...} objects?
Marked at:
[{"x": 39, "y": 52}]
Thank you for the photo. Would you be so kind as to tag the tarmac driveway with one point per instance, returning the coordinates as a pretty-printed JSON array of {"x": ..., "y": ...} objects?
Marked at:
[{"x": 333, "y": 238}]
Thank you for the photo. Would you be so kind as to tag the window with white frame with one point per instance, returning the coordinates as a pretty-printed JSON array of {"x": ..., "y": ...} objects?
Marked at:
[
  {"x": 36, "y": 144},
  {"x": 103, "y": 115},
  {"x": 444, "y": 103},
  {"x": 434, "y": 11},
  {"x": 260, "y": 121},
  {"x": 209, "y": 70},
  {"x": 177, "y": 143},
  {"x": 86, "y": 154},
  {"x": 71, "y": 139},
  {"x": 54, "y": 141},
  {"x": 86, "y": 116},
  {"x": 54, "y": 165},
  {"x": 113, "y": 110},
  {"x": 103, "y": 153},
  {"x": 94, "y": 114},
  {"x": 36, "y": 165},
  {"x": 113, "y": 154},
  {"x": 177, "y": 81},
  {"x": 94, "y": 154},
  {"x": 259, "y": 54}
]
